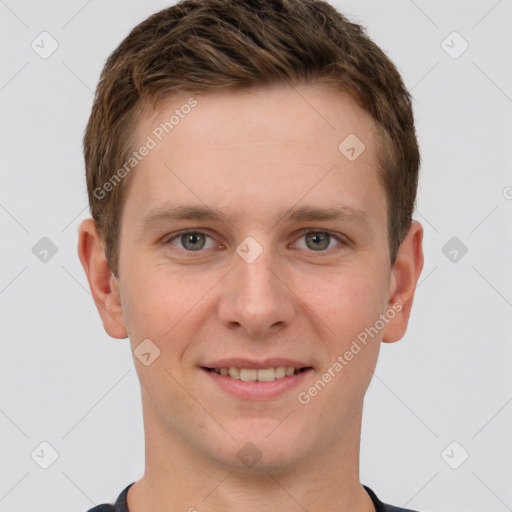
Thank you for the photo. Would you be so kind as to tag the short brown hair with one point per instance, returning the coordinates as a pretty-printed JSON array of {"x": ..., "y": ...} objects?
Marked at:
[{"x": 204, "y": 45}]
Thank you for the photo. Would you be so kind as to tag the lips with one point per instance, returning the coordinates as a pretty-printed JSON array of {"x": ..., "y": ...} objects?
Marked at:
[
  {"x": 257, "y": 380},
  {"x": 262, "y": 371},
  {"x": 238, "y": 362}
]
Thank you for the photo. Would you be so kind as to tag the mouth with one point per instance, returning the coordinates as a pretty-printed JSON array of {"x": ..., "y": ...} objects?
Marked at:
[
  {"x": 256, "y": 380},
  {"x": 258, "y": 374}
]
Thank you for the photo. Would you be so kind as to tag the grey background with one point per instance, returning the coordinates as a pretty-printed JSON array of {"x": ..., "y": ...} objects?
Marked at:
[{"x": 64, "y": 381}]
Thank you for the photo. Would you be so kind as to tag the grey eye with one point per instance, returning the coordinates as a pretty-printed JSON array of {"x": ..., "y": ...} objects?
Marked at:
[
  {"x": 318, "y": 240},
  {"x": 192, "y": 241}
]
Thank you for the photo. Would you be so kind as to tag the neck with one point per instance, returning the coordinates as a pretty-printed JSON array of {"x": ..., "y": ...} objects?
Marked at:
[{"x": 178, "y": 478}]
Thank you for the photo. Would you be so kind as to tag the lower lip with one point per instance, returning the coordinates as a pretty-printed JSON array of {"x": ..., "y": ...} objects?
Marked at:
[{"x": 256, "y": 390}]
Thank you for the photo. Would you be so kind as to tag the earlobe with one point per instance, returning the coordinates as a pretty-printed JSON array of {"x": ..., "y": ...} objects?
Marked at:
[
  {"x": 104, "y": 286},
  {"x": 404, "y": 278}
]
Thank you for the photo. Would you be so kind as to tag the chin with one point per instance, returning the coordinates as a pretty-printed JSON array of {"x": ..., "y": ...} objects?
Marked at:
[{"x": 264, "y": 447}]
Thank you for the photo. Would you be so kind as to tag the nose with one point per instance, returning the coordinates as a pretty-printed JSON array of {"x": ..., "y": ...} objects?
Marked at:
[{"x": 257, "y": 300}]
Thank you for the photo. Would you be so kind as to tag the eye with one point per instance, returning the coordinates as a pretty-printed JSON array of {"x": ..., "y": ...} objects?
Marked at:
[
  {"x": 194, "y": 241},
  {"x": 319, "y": 240},
  {"x": 191, "y": 240}
]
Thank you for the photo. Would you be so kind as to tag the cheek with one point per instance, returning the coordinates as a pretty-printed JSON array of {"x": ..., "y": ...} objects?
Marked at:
[
  {"x": 163, "y": 306},
  {"x": 148, "y": 304},
  {"x": 347, "y": 300}
]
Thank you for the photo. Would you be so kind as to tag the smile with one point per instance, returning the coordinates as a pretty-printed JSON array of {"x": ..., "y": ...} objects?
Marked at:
[
  {"x": 260, "y": 375},
  {"x": 263, "y": 383}
]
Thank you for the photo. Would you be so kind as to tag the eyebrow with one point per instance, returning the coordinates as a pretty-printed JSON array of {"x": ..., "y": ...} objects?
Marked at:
[{"x": 196, "y": 212}]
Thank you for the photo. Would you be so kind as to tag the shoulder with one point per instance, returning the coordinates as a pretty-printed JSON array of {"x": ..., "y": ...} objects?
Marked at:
[
  {"x": 119, "y": 506},
  {"x": 391, "y": 508},
  {"x": 384, "y": 507}
]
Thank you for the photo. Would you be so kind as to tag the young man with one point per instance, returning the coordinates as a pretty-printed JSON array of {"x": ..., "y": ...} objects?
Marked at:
[{"x": 252, "y": 170}]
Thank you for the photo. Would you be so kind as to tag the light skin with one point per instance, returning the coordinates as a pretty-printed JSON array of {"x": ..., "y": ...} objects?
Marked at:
[{"x": 254, "y": 156}]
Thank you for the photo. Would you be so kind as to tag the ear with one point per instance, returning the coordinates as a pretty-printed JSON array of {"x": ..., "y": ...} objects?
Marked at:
[
  {"x": 404, "y": 277},
  {"x": 104, "y": 286}
]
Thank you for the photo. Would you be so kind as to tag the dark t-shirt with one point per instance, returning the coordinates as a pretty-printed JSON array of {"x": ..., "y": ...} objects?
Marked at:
[{"x": 121, "y": 506}]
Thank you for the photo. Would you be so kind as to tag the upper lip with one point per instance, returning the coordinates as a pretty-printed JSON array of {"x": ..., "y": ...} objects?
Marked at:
[{"x": 239, "y": 362}]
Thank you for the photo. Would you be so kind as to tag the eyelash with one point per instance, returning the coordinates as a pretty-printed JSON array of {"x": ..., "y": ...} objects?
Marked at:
[{"x": 305, "y": 231}]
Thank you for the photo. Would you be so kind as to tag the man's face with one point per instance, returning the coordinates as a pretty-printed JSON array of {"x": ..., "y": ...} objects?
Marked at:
[{"x": 210, "y": 297}]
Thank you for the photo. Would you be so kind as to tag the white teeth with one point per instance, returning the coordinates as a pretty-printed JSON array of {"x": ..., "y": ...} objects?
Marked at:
[
  {"x": 253, "y": 374},
  {"x": 248, "y": 374},
  {"x": 280, "y": 372},
  {"x": 234, "y": 372},
  {"x": 266, "y": 375}
]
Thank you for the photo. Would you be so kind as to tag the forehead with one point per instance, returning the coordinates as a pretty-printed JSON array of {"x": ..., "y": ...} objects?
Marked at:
[{"x": 249, "y": 151}]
